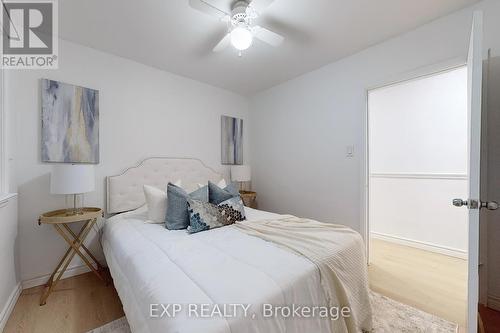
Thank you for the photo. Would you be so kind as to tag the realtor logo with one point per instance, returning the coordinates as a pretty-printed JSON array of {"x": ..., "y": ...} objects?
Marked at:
[{"x": 29, "y": 39}]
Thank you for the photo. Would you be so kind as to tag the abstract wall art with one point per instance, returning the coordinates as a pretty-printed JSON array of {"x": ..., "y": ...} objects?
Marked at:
[
  {"x": 231, "y": 140},
  {"x": 70, "y": 123}
]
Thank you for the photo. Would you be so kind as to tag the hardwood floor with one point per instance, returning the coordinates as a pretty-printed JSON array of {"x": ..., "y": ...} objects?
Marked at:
[
  {"x": 432, "y": 282},
  {"x": 78, "y": 304},
  {"x": 491, "y": 319}
]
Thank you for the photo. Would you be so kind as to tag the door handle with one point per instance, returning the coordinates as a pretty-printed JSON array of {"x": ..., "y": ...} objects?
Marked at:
[
  {"x": 473, "y": 204},
  {"x": 459, "y": 202},
  {"x": 489, "y": 205}
]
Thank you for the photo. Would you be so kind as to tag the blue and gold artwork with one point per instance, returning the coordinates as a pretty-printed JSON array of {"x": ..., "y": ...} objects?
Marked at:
[{"x": 70, "y": 123}]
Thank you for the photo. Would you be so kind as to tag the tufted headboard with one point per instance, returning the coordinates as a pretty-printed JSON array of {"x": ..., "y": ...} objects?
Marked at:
[{"x": 125, "y": 191}]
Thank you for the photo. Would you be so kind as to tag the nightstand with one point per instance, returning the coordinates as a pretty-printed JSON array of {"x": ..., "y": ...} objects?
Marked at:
[
  {"x": 249, "y": 198},
  {"x": 60, "y": 220}
]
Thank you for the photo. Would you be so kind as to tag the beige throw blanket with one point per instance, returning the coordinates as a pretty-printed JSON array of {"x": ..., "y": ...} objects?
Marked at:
[{"x": 339, "y": 254}]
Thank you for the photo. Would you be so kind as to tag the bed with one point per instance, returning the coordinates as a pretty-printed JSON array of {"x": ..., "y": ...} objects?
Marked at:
[{"x": 214, "y": 281}]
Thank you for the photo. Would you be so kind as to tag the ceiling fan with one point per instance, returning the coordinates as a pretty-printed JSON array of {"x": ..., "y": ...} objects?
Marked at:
[{"x": 241, "y": 30}]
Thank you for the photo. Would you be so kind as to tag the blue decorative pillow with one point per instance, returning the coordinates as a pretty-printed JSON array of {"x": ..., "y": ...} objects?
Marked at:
[
  {"x": 177, "y": 208},
  {"x": 204, "y": 215},
  {"x": 216, "y": 195}
]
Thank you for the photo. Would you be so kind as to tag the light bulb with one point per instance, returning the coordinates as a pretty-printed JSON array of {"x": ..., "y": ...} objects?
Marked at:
[{"x": 241, "y": 38}]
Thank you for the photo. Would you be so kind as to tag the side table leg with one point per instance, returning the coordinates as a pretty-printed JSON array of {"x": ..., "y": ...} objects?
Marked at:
[
  {"x": 99, "y": 267},
  {"x": 58, "y": 272},
  {"x": 76, "y": 247},
  {"x": 51, "y": 278}
]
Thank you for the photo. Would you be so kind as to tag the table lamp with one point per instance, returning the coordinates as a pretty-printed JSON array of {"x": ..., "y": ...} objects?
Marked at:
[
  {"x": 241, "y": 174},
  {"x": 72, "y": 180}
]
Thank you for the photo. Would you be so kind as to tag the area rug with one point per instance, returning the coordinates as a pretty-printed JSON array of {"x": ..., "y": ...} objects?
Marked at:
[
  {"x": 392, "y": 316},
  {"x": 117, "y": 326},
  {"x": 389, "y": 316}
]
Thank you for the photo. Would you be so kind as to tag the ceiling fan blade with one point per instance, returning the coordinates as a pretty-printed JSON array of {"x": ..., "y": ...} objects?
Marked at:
[
  {"x": 267, "y": 36},
  {"x": 223, "y": 43},
  {"x": 260, "y": 5},
  {"x": 207, "y": 8}
]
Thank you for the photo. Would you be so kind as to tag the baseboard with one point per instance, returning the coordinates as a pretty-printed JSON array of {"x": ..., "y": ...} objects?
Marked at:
[
  {"x": 421, "y": 245},
  {"x": 11, "y": 302},
  {"x": 494, "y": 302},
  {"x": 72, "y": 271}
]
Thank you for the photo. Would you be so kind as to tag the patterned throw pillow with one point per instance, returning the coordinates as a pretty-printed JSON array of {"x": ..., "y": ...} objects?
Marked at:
[
  {"x": 204, "y": 215},
  {"x": 232, "y": 210}
]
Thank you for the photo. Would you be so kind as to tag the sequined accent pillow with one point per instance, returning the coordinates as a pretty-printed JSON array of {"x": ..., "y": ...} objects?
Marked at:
[
  {"x": 232, "y": 210},
  {"x": 205, "y": 216}
]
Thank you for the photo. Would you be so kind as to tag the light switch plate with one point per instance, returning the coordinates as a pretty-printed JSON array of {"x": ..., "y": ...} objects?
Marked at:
[{"x": 349, "y": 151}]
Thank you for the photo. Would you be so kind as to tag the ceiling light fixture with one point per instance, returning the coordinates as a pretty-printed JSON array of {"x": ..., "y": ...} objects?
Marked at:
[
  {"x": 241, "y": 38},
  {"x": 241, "y": 29}
]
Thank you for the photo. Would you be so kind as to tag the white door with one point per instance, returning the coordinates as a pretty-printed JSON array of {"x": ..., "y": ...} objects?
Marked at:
[
  {"x": 473, "y": 203},
  {"x": 474, "y": 91}
]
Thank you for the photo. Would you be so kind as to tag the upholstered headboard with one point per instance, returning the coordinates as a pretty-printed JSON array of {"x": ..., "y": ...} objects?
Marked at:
[{"x": 125, "y": 191}]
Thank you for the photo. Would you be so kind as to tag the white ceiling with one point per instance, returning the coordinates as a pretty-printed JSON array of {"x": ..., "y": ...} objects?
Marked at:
[{"x": 169, "y": 35}]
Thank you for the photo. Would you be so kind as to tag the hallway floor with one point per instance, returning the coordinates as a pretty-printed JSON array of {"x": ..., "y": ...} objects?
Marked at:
[{"x": 429, "y": 281}]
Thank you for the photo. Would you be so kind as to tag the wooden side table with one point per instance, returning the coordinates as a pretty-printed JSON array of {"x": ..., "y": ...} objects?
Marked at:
[
  {"x": 60, "y": 221},
  {"x": 249, "y": 198}
]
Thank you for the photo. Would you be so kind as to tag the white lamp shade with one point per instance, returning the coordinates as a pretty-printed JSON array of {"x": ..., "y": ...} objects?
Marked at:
[
  {"x": 241, "y": 173},
  {"x": 72, "y": 179}
]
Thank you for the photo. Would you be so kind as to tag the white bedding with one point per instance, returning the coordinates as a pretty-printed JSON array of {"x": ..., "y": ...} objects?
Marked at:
[{"x": 151, "y": 265}]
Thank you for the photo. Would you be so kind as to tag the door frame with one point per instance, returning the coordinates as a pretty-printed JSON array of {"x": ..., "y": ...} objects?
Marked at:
[{"x": 418, "y": 73}]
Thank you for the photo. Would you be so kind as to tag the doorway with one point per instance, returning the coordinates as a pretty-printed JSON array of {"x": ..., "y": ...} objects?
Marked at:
[{"x": 417, "y": 162}]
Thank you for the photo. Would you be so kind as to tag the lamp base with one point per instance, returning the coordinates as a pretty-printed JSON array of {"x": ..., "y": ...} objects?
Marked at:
[
  {"x": 74, "y": 204},
  {"x": 244, "y": 186},
  {"x": 73, "y": 212}
]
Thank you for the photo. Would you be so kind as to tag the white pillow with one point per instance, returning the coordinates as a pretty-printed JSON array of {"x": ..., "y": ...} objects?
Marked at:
[
  {"x": 221, "y": 184},
  {"x": 156, "y": 200}
]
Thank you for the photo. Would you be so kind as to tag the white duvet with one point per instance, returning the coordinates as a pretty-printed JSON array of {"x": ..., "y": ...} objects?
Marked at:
[{"x": 156, "y": 270}]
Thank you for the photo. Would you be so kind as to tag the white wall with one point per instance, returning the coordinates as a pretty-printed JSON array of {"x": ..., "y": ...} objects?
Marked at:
[
  {"x": 300, "y": 129},
  {"x": 7, "y": 140},
  {"x": 418, "y": 162},
  {"x": 420, "y": 126},
  {"x": 10, "y": 279},
  {"x": 144, "y": 112},
  {"x": 418, "y": 212}
]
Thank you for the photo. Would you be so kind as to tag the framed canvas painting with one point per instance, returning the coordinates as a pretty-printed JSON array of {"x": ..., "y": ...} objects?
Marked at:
[
  {"x": 70, "y": 123},
  {"x": 231, "y": 140}
]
